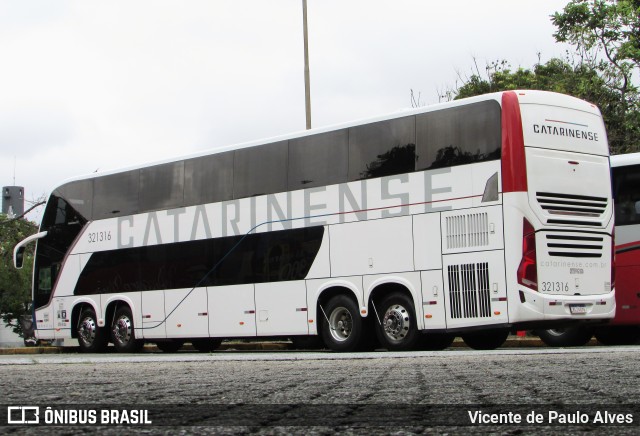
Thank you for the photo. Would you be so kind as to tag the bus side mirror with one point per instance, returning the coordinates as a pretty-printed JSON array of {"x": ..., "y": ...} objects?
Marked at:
[
  {"x": 18, "y": 257},
  {"x": 18, "y": 251}
]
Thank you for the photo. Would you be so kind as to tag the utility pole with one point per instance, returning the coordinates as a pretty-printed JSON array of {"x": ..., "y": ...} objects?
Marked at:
[{"x": 307, "y": 90}]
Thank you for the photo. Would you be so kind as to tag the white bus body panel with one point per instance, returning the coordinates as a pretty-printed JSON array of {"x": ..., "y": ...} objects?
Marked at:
[
  {"x": 232, "y": 311},
  {"x": 372, "y": 247},
  {"x": 427, "y": 242},
  {"x": 187, "y": 315},
  {"x": 552, "y": 172},
  {"x": 434, "y": 310},
  {"x": 281, "y": 308},
  {"x": 153, "y": 315}
]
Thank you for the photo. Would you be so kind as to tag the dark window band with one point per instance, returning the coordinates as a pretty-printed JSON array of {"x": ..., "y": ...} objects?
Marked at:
[{"x": 256, "y": 258}]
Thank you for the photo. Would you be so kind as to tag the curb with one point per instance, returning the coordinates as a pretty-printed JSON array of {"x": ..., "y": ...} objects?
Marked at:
[{"x": 513, "y": 342}]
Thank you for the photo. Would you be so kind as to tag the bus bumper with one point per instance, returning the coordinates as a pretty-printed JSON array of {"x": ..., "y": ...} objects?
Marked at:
[{"x": 564, "y": 307}]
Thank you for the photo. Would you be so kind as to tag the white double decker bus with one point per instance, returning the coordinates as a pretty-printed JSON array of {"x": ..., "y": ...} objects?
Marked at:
[{"x": 471, "y": 218}]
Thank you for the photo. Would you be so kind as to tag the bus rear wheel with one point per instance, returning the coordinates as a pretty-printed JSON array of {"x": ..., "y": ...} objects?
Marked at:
[
  {"x": 122, "y": 332},
  {"x": 397, "y": 330},
  {"x": 486, "y": 340},
  {"x": 91, "y": 338},
  {"x": 342, "y": 329},
  {"x": 566, "y": 337}
]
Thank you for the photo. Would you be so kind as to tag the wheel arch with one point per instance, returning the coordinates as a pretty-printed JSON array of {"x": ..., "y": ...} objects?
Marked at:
[
  {"x": 77, "y": 309},
  {"x": 387, "y": 285},
  {"x": 113, "y": 303},
  {"x": 330, "y": 290}
]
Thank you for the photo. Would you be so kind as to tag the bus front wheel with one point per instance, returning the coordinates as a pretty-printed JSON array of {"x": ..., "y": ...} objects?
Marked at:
[
  {"x": 91, "y": 338},
  {"x": 122, "y": 332}
]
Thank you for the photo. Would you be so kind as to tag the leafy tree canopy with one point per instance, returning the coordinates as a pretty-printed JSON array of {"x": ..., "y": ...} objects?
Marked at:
[
  {"x": 15, "y": 285},
  {"x": 604, "y": 69},
  {"x": 603, "y": 30},
  {"x": 579, "y": 80}
]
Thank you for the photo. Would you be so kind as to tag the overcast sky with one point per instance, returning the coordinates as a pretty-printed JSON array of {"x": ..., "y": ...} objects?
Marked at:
[{"x": 88, "y": 85}]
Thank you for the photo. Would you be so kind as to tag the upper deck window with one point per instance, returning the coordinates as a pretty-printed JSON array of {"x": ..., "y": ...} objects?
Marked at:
[{"x": 459, "y": 135}]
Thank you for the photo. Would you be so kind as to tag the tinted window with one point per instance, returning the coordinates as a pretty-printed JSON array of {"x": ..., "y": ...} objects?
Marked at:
[
  {"x": 626, "y": 192},
  {"x": 116, "y": 195},
  {"x": 79, "y": 195},
  {"x": 208, "y": 179},
  {"x": 260, "y": 170},
  {"x": 382, "y": 149},
  {"x": 256, "y": 258},
  {"x": 459, "y": 135},
  {"x": 162, "y": 186},
  {"x": 63, "y": 224},
  {"x": 318, "y": 160}
]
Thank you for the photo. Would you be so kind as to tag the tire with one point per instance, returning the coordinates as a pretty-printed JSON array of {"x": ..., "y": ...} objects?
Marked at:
[
  {"x": 170, "y": 346},
  {"x": 436, "y": 342},
  {"x": 618, "y": 335},
  {"x": 123, "y": 333},
  {"x": 91, "y": 338},
  {"x": 566, "y": 337},
  {"x": 486, "y": 340},
  {"x": 344, "y": 329},
  {"x": 206, "y": 345},
  {"x": 397, "y": 329}
]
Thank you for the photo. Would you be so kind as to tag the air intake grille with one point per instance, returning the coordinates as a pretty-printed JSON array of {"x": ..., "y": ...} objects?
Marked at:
[
  {"x": 562, "y": 245},
  {"x": 573, "y": 205},
  {"x": 469, "y": 230},
  {"x": 469, "y": 290}
]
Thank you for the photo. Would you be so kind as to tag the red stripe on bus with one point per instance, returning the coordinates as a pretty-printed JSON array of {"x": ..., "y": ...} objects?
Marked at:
[{"x": 514, "y": 168}]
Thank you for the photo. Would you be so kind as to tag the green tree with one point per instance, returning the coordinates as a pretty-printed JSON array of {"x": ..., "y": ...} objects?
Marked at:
[
  {"x": 620, "y": 112},
  {"x": 15, "y": 285},
  {"x": 606, "y": 35},
  {"x": 604, "y": 69}
]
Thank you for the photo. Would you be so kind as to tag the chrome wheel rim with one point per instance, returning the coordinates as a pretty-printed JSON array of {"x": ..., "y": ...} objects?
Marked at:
[
  {"x": 87, "y": 330},
  {"x": 341, "y": 324},
  {"x": 556, "y": 332},
  {"x": 396, "y": 322},
  {"x": 123, "y": 330}
]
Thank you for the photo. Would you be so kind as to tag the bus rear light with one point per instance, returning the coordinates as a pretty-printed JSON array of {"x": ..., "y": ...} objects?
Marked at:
[{"x": 527, "y": 270}]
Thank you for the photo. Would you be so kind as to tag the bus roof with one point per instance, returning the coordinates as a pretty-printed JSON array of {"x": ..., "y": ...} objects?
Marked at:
[{"x": 524, "y": 96}]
